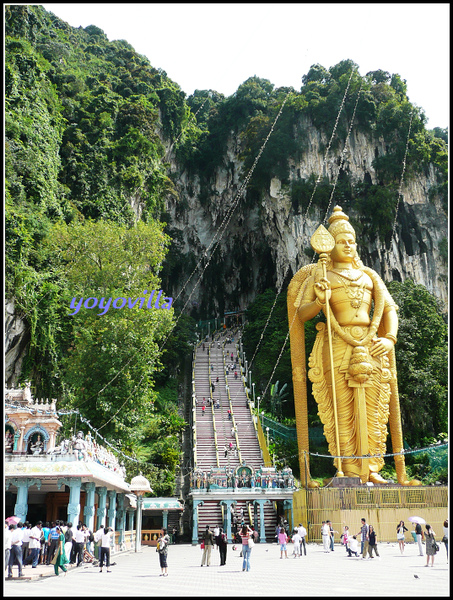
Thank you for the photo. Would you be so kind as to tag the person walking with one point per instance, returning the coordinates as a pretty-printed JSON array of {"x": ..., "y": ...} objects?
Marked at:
[
  {"x": 222, "y": 545},
  {"x": 445, "y": 536},
  {"x": 430, "y": 545},
  {"x": 282, "y": 537},
  {"x": 60, "y": 559},
  {"x": 104, "y": 535},
  {"x": 400, "y": 529},
  {"x": 162, "y": 548},
  {"x": 419, "y": 537},
  {"x": 325, "y": 532},
  {"x": 372, "y": 542},
  {"x": 45, "y": 549},
  {"x": 364, "y": 538},
  {"x": 15, "y": 556},
  {"x": 247, "y": 544},
  {"x": 34, "y": 545},
  {"x": 208, "y": 540}
]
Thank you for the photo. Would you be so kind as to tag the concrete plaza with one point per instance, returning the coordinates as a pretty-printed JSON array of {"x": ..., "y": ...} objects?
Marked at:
[{"x": 317, "y": 574}]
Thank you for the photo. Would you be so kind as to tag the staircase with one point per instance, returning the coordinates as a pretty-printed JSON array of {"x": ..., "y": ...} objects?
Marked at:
[{"x": 214, "y": 430}]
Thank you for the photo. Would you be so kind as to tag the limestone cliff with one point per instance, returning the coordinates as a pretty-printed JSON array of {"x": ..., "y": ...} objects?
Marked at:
[{"x": 257, "y": 241}]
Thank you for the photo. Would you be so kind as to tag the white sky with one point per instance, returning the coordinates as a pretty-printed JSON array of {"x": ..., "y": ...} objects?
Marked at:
[{"x": 218, "y": 46}]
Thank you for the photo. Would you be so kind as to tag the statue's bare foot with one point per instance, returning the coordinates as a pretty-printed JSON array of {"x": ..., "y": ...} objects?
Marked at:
[
  {"x": 376, "y": 478},
  {"x": 410, "y": 482},
  {"x": 313, "y": 484}
]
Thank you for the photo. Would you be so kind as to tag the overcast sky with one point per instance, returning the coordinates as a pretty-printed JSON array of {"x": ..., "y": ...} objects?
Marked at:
[{"x": 218, "y": 46}]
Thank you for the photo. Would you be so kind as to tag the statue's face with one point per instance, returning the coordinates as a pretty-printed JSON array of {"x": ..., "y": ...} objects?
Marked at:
[{"x": 345, "y": 248}]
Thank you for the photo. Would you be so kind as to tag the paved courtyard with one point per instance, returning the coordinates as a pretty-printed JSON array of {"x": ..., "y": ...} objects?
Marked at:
[{"x": 317, "y": 574}]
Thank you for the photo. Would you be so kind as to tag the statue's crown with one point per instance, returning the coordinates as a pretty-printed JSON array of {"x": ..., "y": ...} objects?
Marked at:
[{"x": 339, "y": 223}]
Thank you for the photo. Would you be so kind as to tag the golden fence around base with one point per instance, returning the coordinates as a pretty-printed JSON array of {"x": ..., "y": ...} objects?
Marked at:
[{"x": 382, "y": 507}]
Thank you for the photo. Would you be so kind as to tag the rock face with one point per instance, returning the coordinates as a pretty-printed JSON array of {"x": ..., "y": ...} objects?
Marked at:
[{"x": 262, "y": 245}]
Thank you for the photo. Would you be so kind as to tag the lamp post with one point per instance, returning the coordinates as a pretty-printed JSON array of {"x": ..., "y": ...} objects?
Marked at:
[
  {"x": 259, "y": 398},
  {"x": 253, "y": 386},
  {"x": 267, "y": 434},
  {"x": 139, "y": 486}
]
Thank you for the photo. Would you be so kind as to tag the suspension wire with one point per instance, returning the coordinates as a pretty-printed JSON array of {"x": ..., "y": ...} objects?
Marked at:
[
  {"x": 222, "y": 230},
  {"x": 342, "y": 159},
  {"x": 400, "y": 188}
]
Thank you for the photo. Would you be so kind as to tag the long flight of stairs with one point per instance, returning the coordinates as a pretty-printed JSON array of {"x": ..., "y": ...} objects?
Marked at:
[{"x": 212, "y": 361}]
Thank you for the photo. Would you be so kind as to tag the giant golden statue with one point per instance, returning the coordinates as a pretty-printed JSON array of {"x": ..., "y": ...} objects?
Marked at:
[{"x": 355, "y": 404}]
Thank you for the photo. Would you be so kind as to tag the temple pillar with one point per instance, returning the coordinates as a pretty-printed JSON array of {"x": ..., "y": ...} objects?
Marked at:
[
  {"x": 121, "y": 518},
  {"x": 22, "y": 485},
  {"x": 165, "y": 519},
  {"x": 102, "y": 495},
  {"x": 227, "y": 521},
  {"x": 88, "y": 511},
  {"x": 261, "y": 503},
  {"x": 74, "y": 484},
  {"x": 112, "y": 508},
  {"x": 195, "y": 521}
]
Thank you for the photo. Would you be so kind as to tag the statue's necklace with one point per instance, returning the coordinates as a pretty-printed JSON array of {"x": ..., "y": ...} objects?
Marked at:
[
  {"x": 349, "y": 274},
  {"x": 354, "y": 290}
]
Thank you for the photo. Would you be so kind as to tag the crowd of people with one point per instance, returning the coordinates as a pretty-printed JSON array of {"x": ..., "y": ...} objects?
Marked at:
[{"x": 58, "y": 543}]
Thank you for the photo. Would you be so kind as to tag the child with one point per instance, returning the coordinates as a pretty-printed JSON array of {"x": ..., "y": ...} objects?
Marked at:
[
  {"x": 296, "y": 539},
  {"x": 353, "y": 546}
]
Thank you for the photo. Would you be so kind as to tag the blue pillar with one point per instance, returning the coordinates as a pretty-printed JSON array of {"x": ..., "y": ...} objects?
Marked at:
[
  {"x": 288, "y": 505},
  {"x": 130, "y": 519},
  {"x": 88, "y": 511},
  {"x": 121, "y": 518},
  {"x": 195, "y": 521},
  {"x": 112, "y": 508},
  {"x": 102, "y": 495},
  {"x": 74, "y": 484},
  {"x": 21, "y": 506},
  {"x": 262, "y": 529},
  {"x": 165, "y": 519},
  {"x": 227, "y": 523}
]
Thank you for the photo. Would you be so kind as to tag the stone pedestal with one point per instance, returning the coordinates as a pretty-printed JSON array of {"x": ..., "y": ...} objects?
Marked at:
[{"x": 343, "y": 482}]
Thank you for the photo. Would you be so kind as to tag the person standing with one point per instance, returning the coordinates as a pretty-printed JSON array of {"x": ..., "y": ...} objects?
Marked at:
[
  {"x": 45, "y": 549},
  {"x": 34, "y": 545},
  {"x": 282, "y": 541},
  {"x": 25, "y": 540},
  {"x": 296, "y": 539},
  {"x": 7, "y": 542},
  {"x": 79, "y": 542},
  {"x": 344, "y": 537},
  {"x": 208, "y": 539},
  {"x": 68, "y": 539},
  {"x": 104, "y": 535},
  {"x": 430, "y": 545},
  {"x": 400, "y": 529},
  {"x": 325, "y": 532},
  {"x": 364, "y": 538},
  {"x": 303, "y": 534},
  {"x": 162, "y": 548},
  {"x": 52, "y": 542},
  {"x": 246, "y": 534},
  {"x": 332, "y": 533},
  {"x": 222, "y": 545},
  {"x": 419, "y": 537},
  {"x": 15, "y": 556},
  {"x": 60, "y": 556},
  {"x": 372, "y": 542}
]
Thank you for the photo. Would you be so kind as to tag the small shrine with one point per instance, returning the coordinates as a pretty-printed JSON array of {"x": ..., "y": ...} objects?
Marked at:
[{"x": 31, "y": 425}]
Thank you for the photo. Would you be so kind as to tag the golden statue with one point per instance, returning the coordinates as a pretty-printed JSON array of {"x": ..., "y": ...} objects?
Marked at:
[{"x": 357, "y": 348}]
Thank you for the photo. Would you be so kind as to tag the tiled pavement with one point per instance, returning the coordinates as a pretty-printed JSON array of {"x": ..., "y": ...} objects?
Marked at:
[{"x": 317, "y": 574}]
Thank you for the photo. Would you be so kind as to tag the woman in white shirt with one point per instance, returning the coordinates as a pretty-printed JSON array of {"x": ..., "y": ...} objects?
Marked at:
[{"x": 105, "y": 535}]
